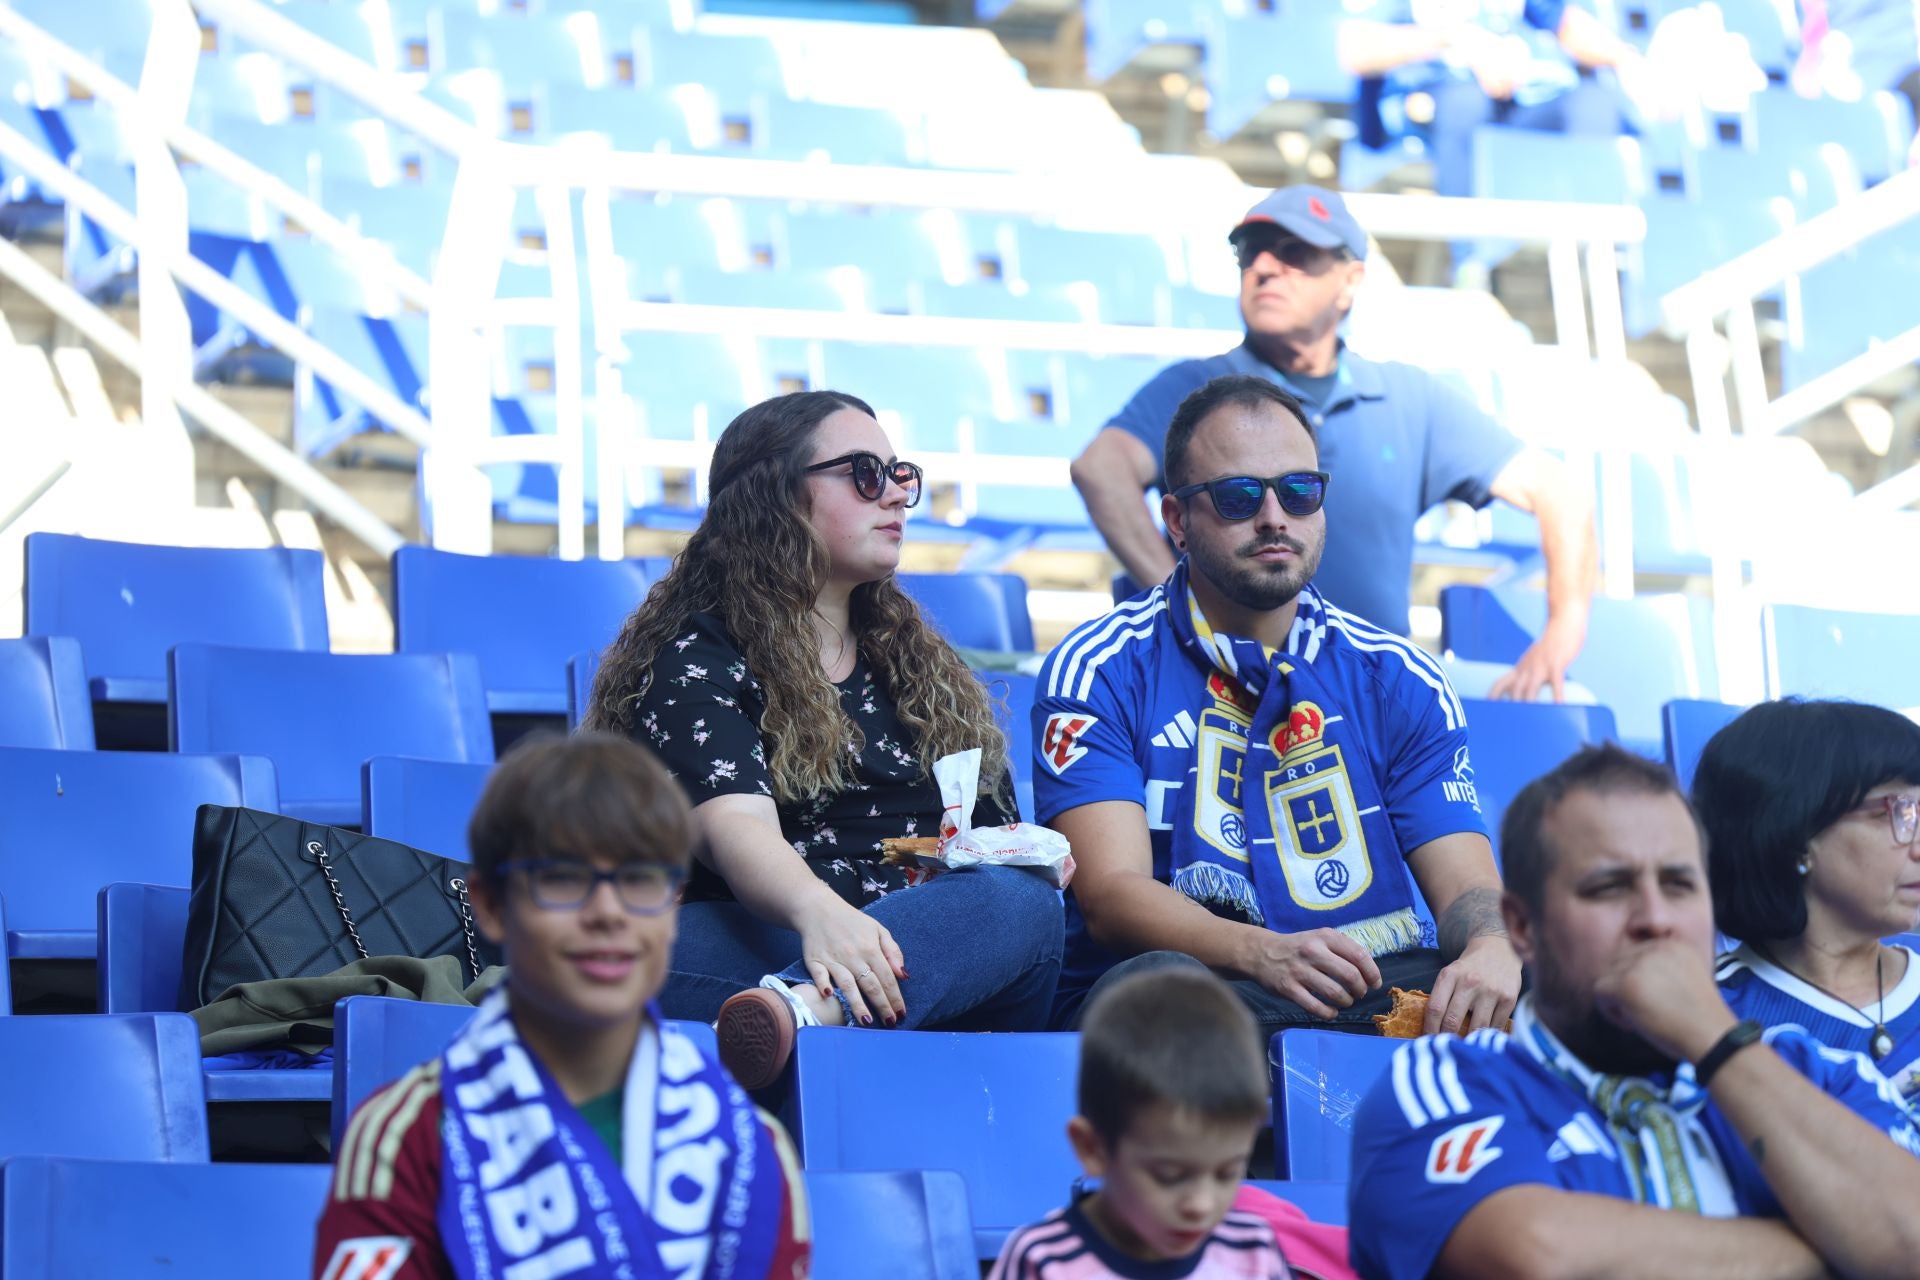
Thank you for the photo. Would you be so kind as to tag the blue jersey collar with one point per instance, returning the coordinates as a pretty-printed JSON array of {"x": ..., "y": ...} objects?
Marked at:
[{"x": 1355, "y": 376}]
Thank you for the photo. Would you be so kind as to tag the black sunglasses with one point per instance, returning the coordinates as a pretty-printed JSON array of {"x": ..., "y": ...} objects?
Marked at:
[
  {"x": 870, "y": 475},
  {"x": 1292, "y": 251},
  {"x": 1239, "y": 497}
]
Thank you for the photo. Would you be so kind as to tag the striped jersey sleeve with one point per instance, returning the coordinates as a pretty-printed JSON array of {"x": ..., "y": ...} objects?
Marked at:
[
  {"x": 380, "y": 1220},
  {"x": 1443, "y": 1130}
]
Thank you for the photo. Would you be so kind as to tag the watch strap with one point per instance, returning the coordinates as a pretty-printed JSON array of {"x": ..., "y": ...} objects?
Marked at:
[{"x": 1738, "y": 1036}]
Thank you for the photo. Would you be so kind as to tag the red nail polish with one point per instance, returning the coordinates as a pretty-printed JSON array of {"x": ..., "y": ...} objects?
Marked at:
[{"x": 866, "y": 1020}]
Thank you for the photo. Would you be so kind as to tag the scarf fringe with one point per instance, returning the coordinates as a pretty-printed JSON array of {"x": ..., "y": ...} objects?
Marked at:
[
  {"x": 1214, "y": 886},
  {"x": 1389, "y": 934}
]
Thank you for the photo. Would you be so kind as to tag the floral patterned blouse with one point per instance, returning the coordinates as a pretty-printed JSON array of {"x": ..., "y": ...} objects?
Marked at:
[{"x": 701, "y": 715}]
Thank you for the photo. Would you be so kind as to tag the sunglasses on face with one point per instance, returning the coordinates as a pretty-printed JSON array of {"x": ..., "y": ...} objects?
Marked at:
[
  {"x": 1239, "y": 497},
  {"x": 870, "y": 475},
  {"x": 1903, "y": 814},
  {"x": 565, "y": 884},
  {"x": 1291, "y": 251}
]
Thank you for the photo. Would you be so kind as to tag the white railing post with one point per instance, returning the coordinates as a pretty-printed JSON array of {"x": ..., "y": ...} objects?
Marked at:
[
  {"x": 166, "y": 85},
  {"x": 1749, "y": 378},
  {"x": 569, "y": 373},
  {"x": 613, "y": 411},
  {"x": 1569, "y": 300}
]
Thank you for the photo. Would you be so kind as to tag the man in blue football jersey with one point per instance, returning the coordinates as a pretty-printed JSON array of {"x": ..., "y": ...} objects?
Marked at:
[
  {"x": 1629, "y": 1125},
  {"x": 1252, "y": 778}
]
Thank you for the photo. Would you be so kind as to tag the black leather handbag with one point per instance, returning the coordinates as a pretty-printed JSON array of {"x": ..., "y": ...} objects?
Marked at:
[{"x": 275, "y": 897}]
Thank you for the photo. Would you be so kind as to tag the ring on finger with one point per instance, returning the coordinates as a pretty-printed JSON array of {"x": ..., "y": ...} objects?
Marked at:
[{"x": 864, "y": 973}]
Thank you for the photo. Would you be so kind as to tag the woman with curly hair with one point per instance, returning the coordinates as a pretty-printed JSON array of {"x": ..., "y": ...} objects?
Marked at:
[{"x": 801, "y": 699}]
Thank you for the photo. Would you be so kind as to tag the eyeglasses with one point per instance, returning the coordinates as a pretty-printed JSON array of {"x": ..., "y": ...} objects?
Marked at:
[
  {"x": 870, "y": 475},
  {"x": 1292, "y": 251},
  {"x": 565, "y": 884},
  {"x": 1903, "y": 814},
  {"x": 1239, "y": 497}
]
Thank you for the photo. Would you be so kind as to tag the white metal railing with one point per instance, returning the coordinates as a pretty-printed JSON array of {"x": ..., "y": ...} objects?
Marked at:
[{"x": 462, "y": 307}]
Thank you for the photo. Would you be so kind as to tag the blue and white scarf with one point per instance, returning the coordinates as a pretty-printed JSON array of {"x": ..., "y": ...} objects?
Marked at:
[
  {"x": 531, "y": 1191},
  {"x": 1281, "y": 823}
]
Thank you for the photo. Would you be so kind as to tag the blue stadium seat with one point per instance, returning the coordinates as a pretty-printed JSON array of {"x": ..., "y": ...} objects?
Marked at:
[
  {"x": 581, "y": 669},
  {"x": 527, "y": 51},
  {"x": 1129, "y": 272},
  {"x": 392, "y": 350},
  {"x": 523, "y": 616},
  {"x": 43, "y": 694},
  {"x": 1516, "y": 742},
  {"x": 627, "y": 119},
  {"x": 736, "y": 68},
  {"x": 1319, "y": 1078},
  {"x": 1117, "y": 30},
  {"x": 6, "y": 970},
  {"x": 1529, "y": 164},
  {"x": 1689, "y": 723},
  {"x": 1255, "y": 58},
  {"x": 1686, "y": 237},
  {"x": 102, "y": 1087},
  {"x": 1833, "y": 653},
  {"x": 317, "y": 716},
  {"x": 112, "y": 33},
  {"x": 796, "y": 129},
  {"x": 1040, "y": 507},
  {"x": 1321, "y": 1201},
  {"x": 143, "y": 1221},
  {"x": 423, "y": 803},
  {"x": 1844, "y": 308},
  {"x": 887, "y": 1226},
  {"x": 794, "y": 290},
  {"x": 1020, "y": 691},
  {"x": 143, "y": 933},
  {"x": 128, "y": 603},
  {"x": 1640, "y": 653},
  {"x": 931, "y": 390},
  {"x": 975, "y": 610},
  {"x": 1874, "y": 132},
  {"x": 1000, "y": 1123},
  {"x": 378, "y": 1039},
  {"x": 894, "y": 250},
  {"x": 71, "y": 822}
]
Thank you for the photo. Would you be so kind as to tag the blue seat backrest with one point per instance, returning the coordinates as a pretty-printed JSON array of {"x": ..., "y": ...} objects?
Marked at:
[
  {"x": 1515, "y": 742},
  {"x": 1003, "y": 1102},
  {"x": 1834, "y": 653},
  {"x": 1020, "y": 690},
  {"x": 102, "y": 1086},
  {"x": 424, "y": 803},
  {"x": 43, "y": 694},
  {"x": 6, "y": 970},
  {"x": 378, "y": 1039},
  {"x": 1321, "y": 1201},
  {"x": 73, "y": 821},
  {"x": 1640, "y": 653},
  {"x": 581, "y": 669},
  {"x": 143, "y": 933},
  {"x": 139, "y": 1221},
  {"x": 1319, "y": 1078},
  {"x": 886, "y": 1226},
  {"x": 1688, "y": 724},
  {"x": 975, "y": 610},
  {"x": 522, "y": 616},
  {"x": 318, "y": 716},
  {"x": 129, "y": 603}
]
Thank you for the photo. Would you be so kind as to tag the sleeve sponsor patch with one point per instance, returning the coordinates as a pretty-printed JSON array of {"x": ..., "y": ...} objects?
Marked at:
[
  {"x": 1060, "y": 742},
  {"x": 368, "y": 1258},
  {"x": 1464, "y": 1150}
]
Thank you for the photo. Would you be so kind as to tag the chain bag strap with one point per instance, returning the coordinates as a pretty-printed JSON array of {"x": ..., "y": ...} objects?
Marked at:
[
  {"x": 459, "y": 888},
  {"x": 319, "y": 852}
]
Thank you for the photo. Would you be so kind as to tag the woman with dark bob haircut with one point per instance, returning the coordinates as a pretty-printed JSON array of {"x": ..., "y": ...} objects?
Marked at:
[
  {"x": 800, "y": 698},
  {"x": 1810, "y": 810}
]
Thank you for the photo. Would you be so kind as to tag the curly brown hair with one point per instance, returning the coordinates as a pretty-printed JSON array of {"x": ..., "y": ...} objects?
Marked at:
[{"x": 756, "y": 562}]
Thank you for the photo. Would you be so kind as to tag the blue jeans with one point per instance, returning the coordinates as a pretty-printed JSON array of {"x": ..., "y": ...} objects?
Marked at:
[
  {"x": 983, "y": 946},
  {"x": 1408, "y": 970}
]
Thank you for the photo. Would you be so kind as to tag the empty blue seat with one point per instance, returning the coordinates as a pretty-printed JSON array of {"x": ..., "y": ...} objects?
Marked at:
[
  {"x": 931, "y": 389},
  {"x": 1020, "y": 690},
  {"x": 1128, "y": 272},
  {"x": 1528, "y": 164},
  {"x": 975, "y": 610},
  {"x": 1321, "y": 1201},
  {"x": 523, "y": 616},
  {"x": 1640, "y": 653},
  {"x": 318, "y": 716},
  {"x": 1844, "y": 310},
  {"x": 1874, "y": 132},
  {"x": 1258, "y": 58},
  {"x": 43, "y": 694},
  {"x": 795, "y": 129},
  {"x": 71, "y": 822},
  {"x": 893, "y": 250},
  {"x": 581, "y": 669},
  {"x": 735, "y": 68},
  {"x": 423, "y": 803},
  {"x": 888, "y": 1226},
  {"x": 378, "y": 1039},
  {"x": 1004, "y": 1103},
  {"x": 1516, "y": 742},
  {"x": 1319, "y": 1078},
  {"x": 6, "y": 970},
  {"x": 143, "y": 933},
  {"x": 1834, "y": 653},
  {"x": 135, "y": 1220},
  {"x": 128, "y": 603},
  {"x": 102, "y": 1087},
  {"x": 1689, "y": 723},
  {"x": 1117, "y": 30}
]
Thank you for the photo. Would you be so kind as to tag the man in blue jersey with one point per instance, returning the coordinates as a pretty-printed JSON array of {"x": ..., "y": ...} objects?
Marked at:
[
  {"x": 1629, "y": 1125},
  {"x": 1400, "y": 440},
  {"x": 1253, "y": 779}
]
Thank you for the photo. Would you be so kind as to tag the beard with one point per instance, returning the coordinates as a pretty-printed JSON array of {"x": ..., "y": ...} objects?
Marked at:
[
  {"x": 1260, "y": 588},
  {"x": 1602, "y": 1044}
]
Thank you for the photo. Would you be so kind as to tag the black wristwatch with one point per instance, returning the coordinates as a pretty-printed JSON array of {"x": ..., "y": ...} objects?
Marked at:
[{"x": 1739, "y": 1036}]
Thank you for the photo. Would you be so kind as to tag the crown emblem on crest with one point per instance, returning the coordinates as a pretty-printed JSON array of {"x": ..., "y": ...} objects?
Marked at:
[{"x": 1302, "y": 729}]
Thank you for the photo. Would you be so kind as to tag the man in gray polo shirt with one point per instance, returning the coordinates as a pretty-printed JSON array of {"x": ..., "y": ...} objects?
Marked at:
[{"x": 1396, "y": 440}]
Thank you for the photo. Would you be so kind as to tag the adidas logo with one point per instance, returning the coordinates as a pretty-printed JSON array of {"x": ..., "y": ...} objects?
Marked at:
[{"x": 1177, "y": 732}]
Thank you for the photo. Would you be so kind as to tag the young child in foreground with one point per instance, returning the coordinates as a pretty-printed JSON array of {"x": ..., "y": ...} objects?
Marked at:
[
  {"x": 1173, "y": 1092},
  {"x": 568, "y": 1130}
]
